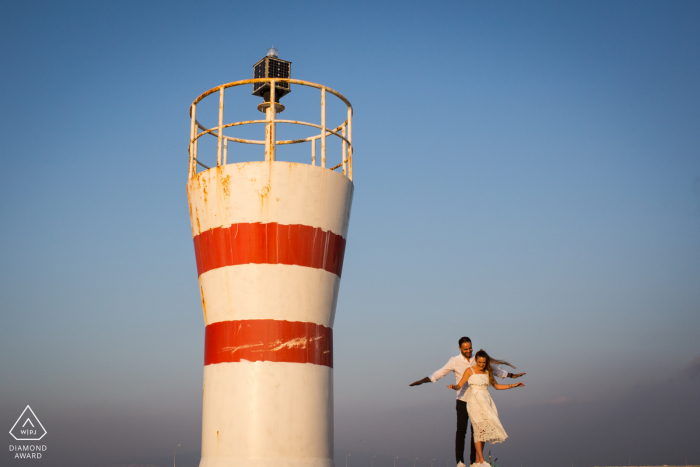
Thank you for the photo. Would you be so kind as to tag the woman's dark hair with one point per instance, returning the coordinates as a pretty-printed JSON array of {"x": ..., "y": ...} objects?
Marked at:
[
  {"x": 489, "y": 362},
  {"x": 463, "y": 340}
]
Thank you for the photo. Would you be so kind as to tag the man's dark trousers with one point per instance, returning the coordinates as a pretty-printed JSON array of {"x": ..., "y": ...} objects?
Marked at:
[{"x": 462, "y": 422}]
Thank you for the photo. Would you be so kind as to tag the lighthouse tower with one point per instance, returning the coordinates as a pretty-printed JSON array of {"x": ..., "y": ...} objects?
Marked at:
[{"x": 269, "y": 240}]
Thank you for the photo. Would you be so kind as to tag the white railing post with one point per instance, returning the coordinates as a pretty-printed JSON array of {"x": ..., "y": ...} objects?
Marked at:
[
  {"x": 219, "y": 146},
  {"x": 193, "y": 164},
  {"x": 225, "y": 151},
  {"x": 350, "y": 145},
  {"x": 267, "y": 134},
  {"x": 273, "y": 115},
  {"x": 345, "y": 152},
  {"x": 196, "y": 146},
  {"x": 313, "y": 152},
  {"x": 323, "y": 127}
]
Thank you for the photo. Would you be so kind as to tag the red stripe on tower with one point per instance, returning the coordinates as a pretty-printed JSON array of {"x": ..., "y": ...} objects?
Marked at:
[
  {"x": 268, "y": 340},
  {"x": 271, "y": 243}
]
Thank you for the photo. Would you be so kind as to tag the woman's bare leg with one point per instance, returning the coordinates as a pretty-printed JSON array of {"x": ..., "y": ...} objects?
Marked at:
[{"x": 479, "y": 451}]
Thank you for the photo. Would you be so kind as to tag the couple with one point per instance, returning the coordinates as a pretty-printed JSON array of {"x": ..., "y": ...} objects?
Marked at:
[{"x": 474, "y": 374}]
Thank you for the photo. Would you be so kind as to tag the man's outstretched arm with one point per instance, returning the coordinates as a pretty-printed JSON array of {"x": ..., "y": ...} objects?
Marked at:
[
  {"x": 501, "y": 373},
  {"x": 445, "y": 370},
  {"x": 420, "y": 381}
]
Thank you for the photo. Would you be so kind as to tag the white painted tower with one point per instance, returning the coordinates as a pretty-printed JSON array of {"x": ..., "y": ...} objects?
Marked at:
[{"x": 269, "y": 239}]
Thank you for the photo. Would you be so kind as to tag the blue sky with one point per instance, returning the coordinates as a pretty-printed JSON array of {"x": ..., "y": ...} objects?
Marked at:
[{"x": 525, "y": 174}]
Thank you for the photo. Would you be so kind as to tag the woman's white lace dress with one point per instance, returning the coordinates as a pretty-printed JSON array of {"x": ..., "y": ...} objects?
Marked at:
[{"x": 482, "y": 411}]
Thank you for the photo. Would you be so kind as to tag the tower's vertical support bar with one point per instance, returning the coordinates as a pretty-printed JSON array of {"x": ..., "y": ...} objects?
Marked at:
[
  {"x": 345, "y": 153},
  {"x": 313, "y": 152},
  {"x": 225, "y": 151},
  {"x": 267, "y": 133},
  {"x": 219, "y": 146},
  {"x": 323, "y": 127},
  {"x": 196, "y": 142},
  {"x": 350, "y": 145},
  {"x": 192, "y": 167},
  {"x": 273, "y": 128}
]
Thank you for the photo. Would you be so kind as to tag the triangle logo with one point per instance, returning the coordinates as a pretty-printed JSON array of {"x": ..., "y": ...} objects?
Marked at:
[{"x": 28, "y": 427}]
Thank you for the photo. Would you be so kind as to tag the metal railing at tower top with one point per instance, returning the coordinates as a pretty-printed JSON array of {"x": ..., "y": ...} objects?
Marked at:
[{"x": 342, "y": 131}]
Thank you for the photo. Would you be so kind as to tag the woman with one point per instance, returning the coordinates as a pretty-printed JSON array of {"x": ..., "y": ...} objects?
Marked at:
[{"x": 482, "y": 411}]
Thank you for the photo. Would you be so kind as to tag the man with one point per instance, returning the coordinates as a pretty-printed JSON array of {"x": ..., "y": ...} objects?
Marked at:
[{"x": 458, "y": 365}]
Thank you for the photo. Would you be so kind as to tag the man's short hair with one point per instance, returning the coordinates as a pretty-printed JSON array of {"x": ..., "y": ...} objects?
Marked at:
[{"x": 463, "y": 340}]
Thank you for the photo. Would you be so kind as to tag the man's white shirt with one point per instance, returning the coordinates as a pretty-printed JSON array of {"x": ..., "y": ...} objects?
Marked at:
[{"x": 459, "y": 365}]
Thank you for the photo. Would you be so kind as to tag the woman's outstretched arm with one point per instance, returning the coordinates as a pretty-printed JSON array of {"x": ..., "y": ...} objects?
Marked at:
[
  {"x": 462, "y": 381},
  {"x": 508, "y": 386}
]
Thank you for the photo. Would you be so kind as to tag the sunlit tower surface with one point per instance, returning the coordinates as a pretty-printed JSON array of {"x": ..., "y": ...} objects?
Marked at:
[{"x": 269, "y": 239}]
